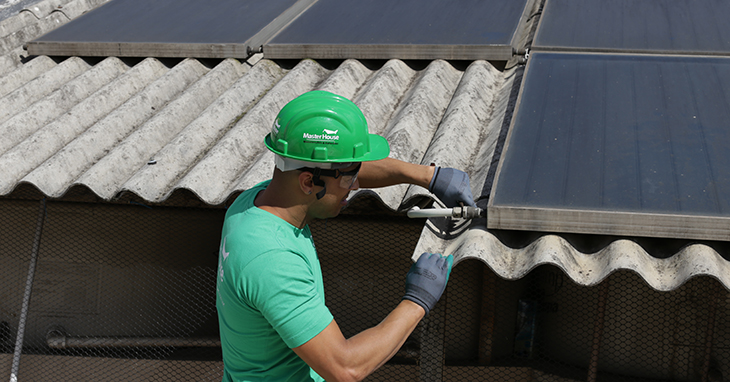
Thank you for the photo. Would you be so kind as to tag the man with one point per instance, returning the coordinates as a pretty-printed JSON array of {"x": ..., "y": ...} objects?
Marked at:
[{"x": 270, "y": 297}]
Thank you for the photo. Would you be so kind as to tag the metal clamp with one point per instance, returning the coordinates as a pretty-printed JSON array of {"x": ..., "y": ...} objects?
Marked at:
[{"x": 456, "y": 212}]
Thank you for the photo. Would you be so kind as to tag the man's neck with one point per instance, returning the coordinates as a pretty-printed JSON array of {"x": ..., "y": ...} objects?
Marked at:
[{"x": 270, "y": 201}]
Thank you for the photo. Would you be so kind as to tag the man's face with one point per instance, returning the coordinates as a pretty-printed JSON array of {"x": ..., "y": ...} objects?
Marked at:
[{"x": 338, "y": 189}]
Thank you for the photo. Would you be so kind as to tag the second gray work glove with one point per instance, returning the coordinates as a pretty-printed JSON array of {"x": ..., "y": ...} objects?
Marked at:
[
  {"x": 426, "y": 280},
  {"x": 451, "y": 186}
]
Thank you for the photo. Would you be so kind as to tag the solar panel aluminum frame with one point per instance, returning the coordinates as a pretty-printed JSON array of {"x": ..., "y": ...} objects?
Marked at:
[
  {"x": 570, "y": 49},
  {"x": 241, "y": 50},
  {"x": 392, "y": 51},
  {"x": 133, "y": 49},
  {"x": 415, "y": 51},
  {"x": 595, "y": 221},
  {"x": 609, "y": 223}
]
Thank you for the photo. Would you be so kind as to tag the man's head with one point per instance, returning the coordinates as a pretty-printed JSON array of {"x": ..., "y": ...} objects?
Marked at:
[{"x": 325, "y": 135}]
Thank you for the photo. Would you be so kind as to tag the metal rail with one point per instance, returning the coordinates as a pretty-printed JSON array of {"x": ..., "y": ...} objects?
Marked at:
[{"x": 57, "y": 339}]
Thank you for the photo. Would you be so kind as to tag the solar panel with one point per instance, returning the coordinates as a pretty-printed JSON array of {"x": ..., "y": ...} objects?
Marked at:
[
  {"x": 405, "y": 29},
  {"x": 664, "y": 26},
  {"x": 170, "y": 28},
  {"x": 618, "y": 144}
]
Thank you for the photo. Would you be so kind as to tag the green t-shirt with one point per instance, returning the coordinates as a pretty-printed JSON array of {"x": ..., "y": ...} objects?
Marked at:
[{"x": 270, "y": 294}]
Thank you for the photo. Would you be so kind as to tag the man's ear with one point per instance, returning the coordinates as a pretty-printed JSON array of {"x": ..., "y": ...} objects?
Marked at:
[{"x": 306, "y": 182}]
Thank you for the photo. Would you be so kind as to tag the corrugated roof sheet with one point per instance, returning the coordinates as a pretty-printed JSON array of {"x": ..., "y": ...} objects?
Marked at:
[
  {"x": 157, "y": 129},
  {"x": 585, "y": 266},
  {"x": 11, "y": 7}
]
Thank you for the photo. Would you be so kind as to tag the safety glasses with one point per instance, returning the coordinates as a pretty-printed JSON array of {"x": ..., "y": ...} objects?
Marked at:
[{"x": 347, "y": 178}]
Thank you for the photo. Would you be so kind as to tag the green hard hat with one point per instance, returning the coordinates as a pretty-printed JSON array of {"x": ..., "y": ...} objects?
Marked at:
[{"x": 319, "y": 126}]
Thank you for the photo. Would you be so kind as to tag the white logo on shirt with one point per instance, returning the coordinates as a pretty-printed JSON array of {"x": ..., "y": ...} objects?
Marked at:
[
  {"x": 223, "y": 257},
  {"x": 223, "y": 249}
]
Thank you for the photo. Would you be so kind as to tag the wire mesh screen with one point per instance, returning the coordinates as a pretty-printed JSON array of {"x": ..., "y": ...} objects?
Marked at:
[
  {"x": 126, "y": 293},
  {"x": 117, "y": 292},
  {"x": 544, "y": 327}
]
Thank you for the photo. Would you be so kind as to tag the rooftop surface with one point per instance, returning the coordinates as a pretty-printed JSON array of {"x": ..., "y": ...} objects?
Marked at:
[{"x": 190, "y": 132}]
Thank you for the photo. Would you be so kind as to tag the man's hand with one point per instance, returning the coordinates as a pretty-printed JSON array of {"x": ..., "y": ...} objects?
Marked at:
[
  {"x": 426, "y": 280},
  {"x": 451, "y": 186}
]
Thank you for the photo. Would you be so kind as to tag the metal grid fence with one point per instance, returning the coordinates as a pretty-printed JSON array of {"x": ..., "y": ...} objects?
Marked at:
[{"x": 126, "y": 292}]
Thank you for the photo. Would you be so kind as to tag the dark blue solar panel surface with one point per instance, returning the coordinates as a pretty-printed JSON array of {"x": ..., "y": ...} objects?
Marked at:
[
  {"x": 171, "y": 21},
  {"x": 696, "y": 26},
  {"x": 405, "y": 22},
  {"x": 606, "y": 132},
  {"x": 405, "y": 29}
]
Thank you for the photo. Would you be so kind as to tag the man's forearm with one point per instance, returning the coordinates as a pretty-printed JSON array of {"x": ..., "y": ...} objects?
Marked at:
[
  {"x": 380, "y": 343},
  {"x": 337, "y": 359},
  {"x": 389, "y": 171}
]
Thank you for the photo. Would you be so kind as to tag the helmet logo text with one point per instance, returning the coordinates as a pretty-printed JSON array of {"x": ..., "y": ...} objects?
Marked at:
[{"x": 327, "y": 136}]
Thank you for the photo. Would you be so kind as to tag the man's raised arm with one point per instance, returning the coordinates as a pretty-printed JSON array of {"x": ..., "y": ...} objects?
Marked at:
[{"x": 450, "y": 185}]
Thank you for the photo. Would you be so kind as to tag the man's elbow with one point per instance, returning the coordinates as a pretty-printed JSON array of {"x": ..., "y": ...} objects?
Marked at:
[{"x": 349, "y": 374}]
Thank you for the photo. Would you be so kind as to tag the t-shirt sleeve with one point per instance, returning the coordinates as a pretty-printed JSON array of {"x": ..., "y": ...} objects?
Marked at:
[{"x": 282, "y": 287}]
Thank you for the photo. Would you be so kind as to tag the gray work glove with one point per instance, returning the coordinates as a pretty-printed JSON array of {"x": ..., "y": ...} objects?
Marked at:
[
  {"x": 426, "y": 280},
  {"x": 451, "y": 186}
]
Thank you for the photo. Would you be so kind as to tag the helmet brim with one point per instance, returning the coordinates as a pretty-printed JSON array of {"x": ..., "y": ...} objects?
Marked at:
[{"x": 379, "y": 149}]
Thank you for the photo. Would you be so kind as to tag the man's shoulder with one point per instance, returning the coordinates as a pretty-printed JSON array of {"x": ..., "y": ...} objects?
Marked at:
[
  {"x": 245, "y": 201},
  {"x": 246, "y": 198}
]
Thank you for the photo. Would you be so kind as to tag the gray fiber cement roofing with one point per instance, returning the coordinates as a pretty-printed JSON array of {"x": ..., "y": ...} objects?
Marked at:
[
  {"x": 156, "y": 128},
  {"x": 12, "y": 7}
]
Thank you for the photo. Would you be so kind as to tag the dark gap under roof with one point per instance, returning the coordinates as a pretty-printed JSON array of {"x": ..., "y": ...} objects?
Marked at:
[{"x": 618, "y": 145}]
